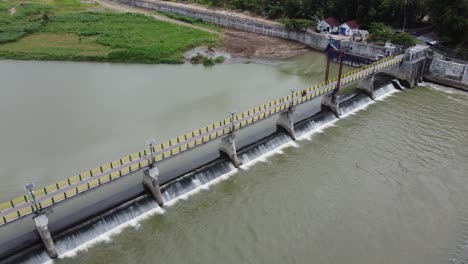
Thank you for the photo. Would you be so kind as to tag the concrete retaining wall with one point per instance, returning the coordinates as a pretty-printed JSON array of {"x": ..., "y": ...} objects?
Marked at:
[
  {"x": 311, "y": 39},
  {"x": 446, "y": 72}
]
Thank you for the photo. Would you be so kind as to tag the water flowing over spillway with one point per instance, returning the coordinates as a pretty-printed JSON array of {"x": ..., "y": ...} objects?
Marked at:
[
  {"x": 101, "y": 229},
  {"x": 383, "y": 185}
]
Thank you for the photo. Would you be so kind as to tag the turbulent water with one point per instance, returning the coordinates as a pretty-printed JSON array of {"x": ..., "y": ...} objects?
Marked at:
[{"x": 386, "y": 183}]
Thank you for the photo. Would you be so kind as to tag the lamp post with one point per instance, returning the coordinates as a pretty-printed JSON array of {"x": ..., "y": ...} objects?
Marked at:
[
  {"x": 29, "y": 187},
  {"x": 151, "y": 142},
  {"x": 232, "y": 121},
  {"x": 292, "y": 98}
]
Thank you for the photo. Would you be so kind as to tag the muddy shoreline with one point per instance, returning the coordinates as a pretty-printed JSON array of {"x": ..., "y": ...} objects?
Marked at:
[
  {"x": 254, "y": 46},
  {"x": 238, "y": 44}
]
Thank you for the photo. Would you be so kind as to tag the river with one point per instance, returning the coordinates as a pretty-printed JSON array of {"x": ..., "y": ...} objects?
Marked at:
[
  {"x": 387, "y": 183},
  {"x": 63, "y": 118}
]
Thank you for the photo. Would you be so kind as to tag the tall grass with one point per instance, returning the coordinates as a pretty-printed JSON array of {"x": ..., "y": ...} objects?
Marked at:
[{"x": 132, "y": 37}]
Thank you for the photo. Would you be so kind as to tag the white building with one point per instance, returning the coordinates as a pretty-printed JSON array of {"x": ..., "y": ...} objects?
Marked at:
[
  {"x": 349, "y": 28},
  {"x": 328, "y": 25}
]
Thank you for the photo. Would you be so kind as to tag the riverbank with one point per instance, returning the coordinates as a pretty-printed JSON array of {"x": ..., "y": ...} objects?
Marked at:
[
  {"x": 237, "y": 44},
  {"x": 76, "y": 31},
  {"x": 71, "y": 30}
]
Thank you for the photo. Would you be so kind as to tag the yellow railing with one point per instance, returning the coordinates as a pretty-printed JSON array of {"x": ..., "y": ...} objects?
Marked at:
[{"x": 135, "y": 161}]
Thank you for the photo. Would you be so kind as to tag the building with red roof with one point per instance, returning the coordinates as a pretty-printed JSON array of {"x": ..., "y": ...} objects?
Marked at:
[
  {"x": 329, "y": 24},
  {"x": 349, "y": 28}
]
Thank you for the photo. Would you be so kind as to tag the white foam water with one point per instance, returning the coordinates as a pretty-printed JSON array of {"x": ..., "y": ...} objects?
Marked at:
[
  {"x": 314, "y": 126},
  {"x": 442, "y": 88},
  {"x": 130, "y": 216}
]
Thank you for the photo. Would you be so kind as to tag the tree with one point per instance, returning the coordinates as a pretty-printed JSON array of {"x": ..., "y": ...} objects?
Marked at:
[
  {"x": 453, "y": 26},
  {"x": 451, "y": 18},
  {"x": 380, "y": 32},
  {"x": 403, "y": 39}
]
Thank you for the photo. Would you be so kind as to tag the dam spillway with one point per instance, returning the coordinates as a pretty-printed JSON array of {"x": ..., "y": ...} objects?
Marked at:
[
  {"x": 99, "y": 229},
  {"x": 208, "y": 134}
]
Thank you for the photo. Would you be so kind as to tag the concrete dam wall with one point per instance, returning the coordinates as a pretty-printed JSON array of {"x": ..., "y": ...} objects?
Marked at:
[
  {"x": 93, "y": 192},
  {"x": 259, "y": 26},
  {"x": 20, "y": 234}
]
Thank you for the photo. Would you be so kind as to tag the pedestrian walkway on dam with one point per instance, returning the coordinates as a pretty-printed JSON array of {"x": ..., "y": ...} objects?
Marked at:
[{"x": 46, "y": 197}]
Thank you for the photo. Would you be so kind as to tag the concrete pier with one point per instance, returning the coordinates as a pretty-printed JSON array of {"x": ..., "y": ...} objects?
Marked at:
[
  {"x": 410, "y": 70},
  {"x": 150, "y": 180},
  {"x": 228, "y": 147},
  {"x": 286, "y": 121},
  {"x": 42, "y": 221},
  {"x": 367, "y": 85},
  {"x": 332, "y": 101}
]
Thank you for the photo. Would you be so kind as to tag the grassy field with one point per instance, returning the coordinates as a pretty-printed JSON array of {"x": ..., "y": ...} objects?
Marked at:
[
  {"x": 71, "y": 30},
  {"x": 193, "y": 21}
]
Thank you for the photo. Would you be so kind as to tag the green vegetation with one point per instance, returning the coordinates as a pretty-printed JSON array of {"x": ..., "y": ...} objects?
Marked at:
[
  {"x": 404, "y": 39},
  {"x": 219, "y": 59},
  {"x": 449, "y": 16},
  {"x": 66, "y": 30},
  {"x": 197, "y": 59},
  {"x": 206, "y": 61},
  {"x": 193, "y": 21},
  {"x": 382, "y": 33},
  {"x": 297, "y": 24}
]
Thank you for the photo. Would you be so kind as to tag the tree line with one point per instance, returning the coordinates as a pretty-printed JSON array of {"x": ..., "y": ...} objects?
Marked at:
[{"x": 449, "y": 16}]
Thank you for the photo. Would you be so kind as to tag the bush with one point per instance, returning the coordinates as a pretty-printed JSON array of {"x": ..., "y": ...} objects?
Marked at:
[
  {"x": 182, "y": 18},
  {"x": 32, "y": 27},
  {"x": 34, "y": 9},
  {"x": 208, "y": 61},
  {"x": 197, "y": 59},
  {"x": 219, "y": 59},
  {"x": 403, "y": 39},
  {"x": 380, "y": 32},
  {"x": 6, "y": 37},
  {"x": 297, "y": 24}
]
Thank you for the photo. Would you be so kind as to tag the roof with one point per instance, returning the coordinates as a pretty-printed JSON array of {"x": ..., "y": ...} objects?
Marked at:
[
  {"x": 332, "y": 21},
  {"x": 352, "y": 24}
]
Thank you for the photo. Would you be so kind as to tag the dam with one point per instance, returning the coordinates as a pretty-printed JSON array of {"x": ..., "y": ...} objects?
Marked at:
[
  {"x": 285, "y": 106},
  {"x": 175, "y": 158}
]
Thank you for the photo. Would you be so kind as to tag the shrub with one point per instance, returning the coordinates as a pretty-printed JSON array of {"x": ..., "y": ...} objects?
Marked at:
[
  {"x": 208, "y": 61},
  {"x": 297, "y": 24},
  {"x": 403, "y": 39},
  {"x": 197, "y": 59},
  {"x": 219, "y": 59},
  {"x": 6, "y": 37}
]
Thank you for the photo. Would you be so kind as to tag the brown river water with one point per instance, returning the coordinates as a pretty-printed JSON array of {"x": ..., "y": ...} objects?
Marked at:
[{"x": 387, "y": 183}]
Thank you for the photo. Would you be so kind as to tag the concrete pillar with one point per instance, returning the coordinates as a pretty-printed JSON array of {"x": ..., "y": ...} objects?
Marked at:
[
  {"x": 367, "y": 85},
  {"x": 423, "y": 70},
  {"x": 332, "y": 101},
  {"x": 228, "y": 147},
  {"x": 150, "y": 180},
  {"x": 41, "y": 220},
  {"x": 286, "y": 121}
]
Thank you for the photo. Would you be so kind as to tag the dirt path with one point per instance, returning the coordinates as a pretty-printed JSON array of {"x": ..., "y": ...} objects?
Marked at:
[{"x": 130, "y": 9}]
